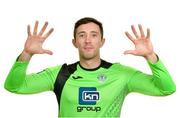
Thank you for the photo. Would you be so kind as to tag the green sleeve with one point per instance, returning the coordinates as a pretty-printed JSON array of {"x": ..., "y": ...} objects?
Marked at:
[
  {"x": 18, "y": 82},
  {"x": 159, "y": 83}
]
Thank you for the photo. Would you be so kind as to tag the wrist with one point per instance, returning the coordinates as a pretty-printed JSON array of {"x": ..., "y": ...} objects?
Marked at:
[
  {"x": 151, "y": 57},
  {"x": 25, "y": 56}
]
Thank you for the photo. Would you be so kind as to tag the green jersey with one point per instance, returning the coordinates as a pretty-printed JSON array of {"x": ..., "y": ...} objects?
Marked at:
[{"x": 98, "y": 92}]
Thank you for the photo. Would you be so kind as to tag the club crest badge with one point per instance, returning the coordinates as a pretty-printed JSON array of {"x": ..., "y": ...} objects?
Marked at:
[{"x": 102, "y": 78}]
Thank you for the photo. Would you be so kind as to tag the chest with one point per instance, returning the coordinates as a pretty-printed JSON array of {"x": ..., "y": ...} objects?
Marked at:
[{"x": 93, "y": 89}]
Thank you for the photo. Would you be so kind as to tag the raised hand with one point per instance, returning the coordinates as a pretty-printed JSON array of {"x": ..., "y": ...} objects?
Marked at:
[
  {"x": 35, "y": 40},
  {"x": 143, "y": 45}
]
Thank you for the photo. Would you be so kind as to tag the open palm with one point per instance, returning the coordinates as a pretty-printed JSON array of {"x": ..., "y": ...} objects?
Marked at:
[
  {"x": 143, "y": 45},
  {"x": 35, "y": 41}
]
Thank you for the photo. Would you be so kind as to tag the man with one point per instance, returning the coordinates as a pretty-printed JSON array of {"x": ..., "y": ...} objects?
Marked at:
[{"x": 90, "y": 87}]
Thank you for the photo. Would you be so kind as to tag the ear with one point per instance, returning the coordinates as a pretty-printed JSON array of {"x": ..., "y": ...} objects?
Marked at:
[
  {"x": 102, "y": 42},
  {"x": 74, "y": 43}
]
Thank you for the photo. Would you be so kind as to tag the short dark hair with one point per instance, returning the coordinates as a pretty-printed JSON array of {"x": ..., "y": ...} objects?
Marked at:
[{"x": 86, "y": 20}]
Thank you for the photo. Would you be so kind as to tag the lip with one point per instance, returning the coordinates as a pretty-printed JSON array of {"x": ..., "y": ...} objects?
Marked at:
[{"x": 88, "y": 48}]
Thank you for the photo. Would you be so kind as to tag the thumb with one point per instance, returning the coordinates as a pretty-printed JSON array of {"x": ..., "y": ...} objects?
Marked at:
[
  {"x": 48, "y": 52},
  {"x": 133, "y": 52}
]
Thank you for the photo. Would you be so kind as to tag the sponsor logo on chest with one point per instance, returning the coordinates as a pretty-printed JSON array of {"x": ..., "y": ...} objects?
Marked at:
[{"x": 88, "y": 97}]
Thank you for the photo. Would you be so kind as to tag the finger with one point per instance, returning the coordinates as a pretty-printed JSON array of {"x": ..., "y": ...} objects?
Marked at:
[
  {"x": 48, "y": 33},
  {"x": 133, "y": 52},
  {"x": 35, "y": 28},
  {"x": 29, "y": 30},
  {"x": 48, "y": 52},
  {"x": 134, "y": 31},
  {"x": 43, "y": 29},
  {"x": 148, "y": 34},
  {"x": 141, "y": 30},
  {"x": 130, "y": 37}
]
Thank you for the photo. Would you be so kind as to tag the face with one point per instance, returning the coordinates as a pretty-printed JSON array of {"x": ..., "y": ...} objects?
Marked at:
[{"x": 88, "y": 41}]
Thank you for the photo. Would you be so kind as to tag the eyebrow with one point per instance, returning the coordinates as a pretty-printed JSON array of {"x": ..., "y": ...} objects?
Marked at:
[
  {"x": 94, "y": 32},
  {"x": 81, "y": 32},
  {"x": 85, "y": 32}
]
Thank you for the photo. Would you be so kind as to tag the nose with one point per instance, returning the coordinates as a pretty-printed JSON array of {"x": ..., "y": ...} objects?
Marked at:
[{"x": 88, "y": 39}]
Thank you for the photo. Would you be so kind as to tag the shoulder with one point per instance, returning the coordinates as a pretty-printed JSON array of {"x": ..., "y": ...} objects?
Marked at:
[
  {"x": 54, "y": 68},
  {"x": 122, "y": 68}
]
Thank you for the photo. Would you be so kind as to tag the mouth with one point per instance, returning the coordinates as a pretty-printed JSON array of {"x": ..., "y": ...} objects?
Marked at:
[{"x": 88, "y": 48}]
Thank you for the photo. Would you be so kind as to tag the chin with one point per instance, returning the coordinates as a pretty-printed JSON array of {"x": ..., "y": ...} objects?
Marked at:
[{"x": 88, "y": 56}]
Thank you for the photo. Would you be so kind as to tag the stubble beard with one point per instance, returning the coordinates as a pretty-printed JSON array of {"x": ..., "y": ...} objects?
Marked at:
[{"x": 90, "y": 56}]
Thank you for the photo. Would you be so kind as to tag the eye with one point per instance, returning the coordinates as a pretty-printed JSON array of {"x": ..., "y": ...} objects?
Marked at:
[
  {"x": 81, "y": 35},
  {"x": 94, "y": 35}
]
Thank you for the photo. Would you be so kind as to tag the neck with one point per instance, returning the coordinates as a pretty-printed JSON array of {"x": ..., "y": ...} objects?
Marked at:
[{"x": 90, "y": 63}]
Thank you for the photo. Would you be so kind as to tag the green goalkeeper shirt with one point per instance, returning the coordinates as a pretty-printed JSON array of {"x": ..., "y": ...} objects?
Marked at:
[{"x": 98, "y": 92}]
